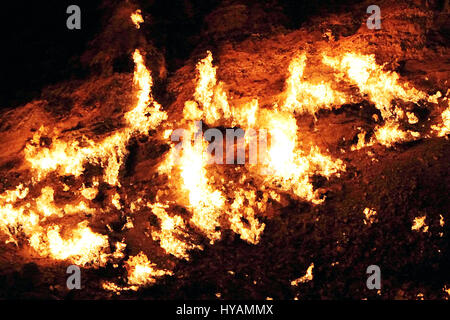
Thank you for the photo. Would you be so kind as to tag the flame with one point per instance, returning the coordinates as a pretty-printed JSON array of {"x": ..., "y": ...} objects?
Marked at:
[
  {"x": 369, "y": 215},
  {"x": 115, "y": 201},
  {"x": 203, "y": 199},
  {"x": 91, "y": 192},
  {"x": 246, "y": 206},
  {"x": 137, "y": 119},
  {"x": 142, "y": 272},
  {"x": 380, "y": 86},
  {"x": 15, "y": 219},
  {"x": 69, "y": 158},
  {"x": 444, "y": 128},
  {"x": 389, "y": 134},
  {"x": 412, "y": 118},
  {"x": 361, "y": 141},
  {"x": 307, "y": 277},
  {"x": 80, "y": 207},
  {"x": 210, "y": 94},
  {"x": 289, "y": 166},
  {"x": 82, "y": 247},
  {"x": 447, "y": 291},
  {"x": 205, "y": 202},
  {"x": 49, "y": 152},
  {"x": 304, "y": 97},
  {"x": 136, "y": 18},
  {"x": 173, "y": 230},
  {"x": 211, "y": 100},
  {"x": 45, "y": 203},
  {"x": 214, "y": 199}
]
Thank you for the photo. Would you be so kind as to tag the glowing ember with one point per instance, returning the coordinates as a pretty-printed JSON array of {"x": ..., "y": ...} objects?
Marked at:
[
  {"x": 137, "y": 19},
  {"x": 447, "y": 291},
  {"x": 389, "y": 134},
  {"x": 142, "y": 272},
  {"x": 419, "y": 223},
  {"x": 307, "y": 277},
  {"x": 369, "y": 216}
]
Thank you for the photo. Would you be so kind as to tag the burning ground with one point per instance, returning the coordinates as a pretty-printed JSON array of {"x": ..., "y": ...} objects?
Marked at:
[{"x": 355, "y": 172}]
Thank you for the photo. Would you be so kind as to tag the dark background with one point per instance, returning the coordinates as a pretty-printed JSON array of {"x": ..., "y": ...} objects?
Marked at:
[{"x": 39, "y": 50}]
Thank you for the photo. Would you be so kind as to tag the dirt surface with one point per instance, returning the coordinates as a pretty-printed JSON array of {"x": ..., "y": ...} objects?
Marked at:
[{"x": 400, "y": 183}]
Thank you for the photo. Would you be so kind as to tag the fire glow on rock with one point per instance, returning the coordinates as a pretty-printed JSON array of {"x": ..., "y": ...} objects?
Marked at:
[{"x": 30, "y": 214}]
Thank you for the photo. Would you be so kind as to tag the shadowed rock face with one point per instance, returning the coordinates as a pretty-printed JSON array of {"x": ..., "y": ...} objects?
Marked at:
[{"x": 252, "y": 44}]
